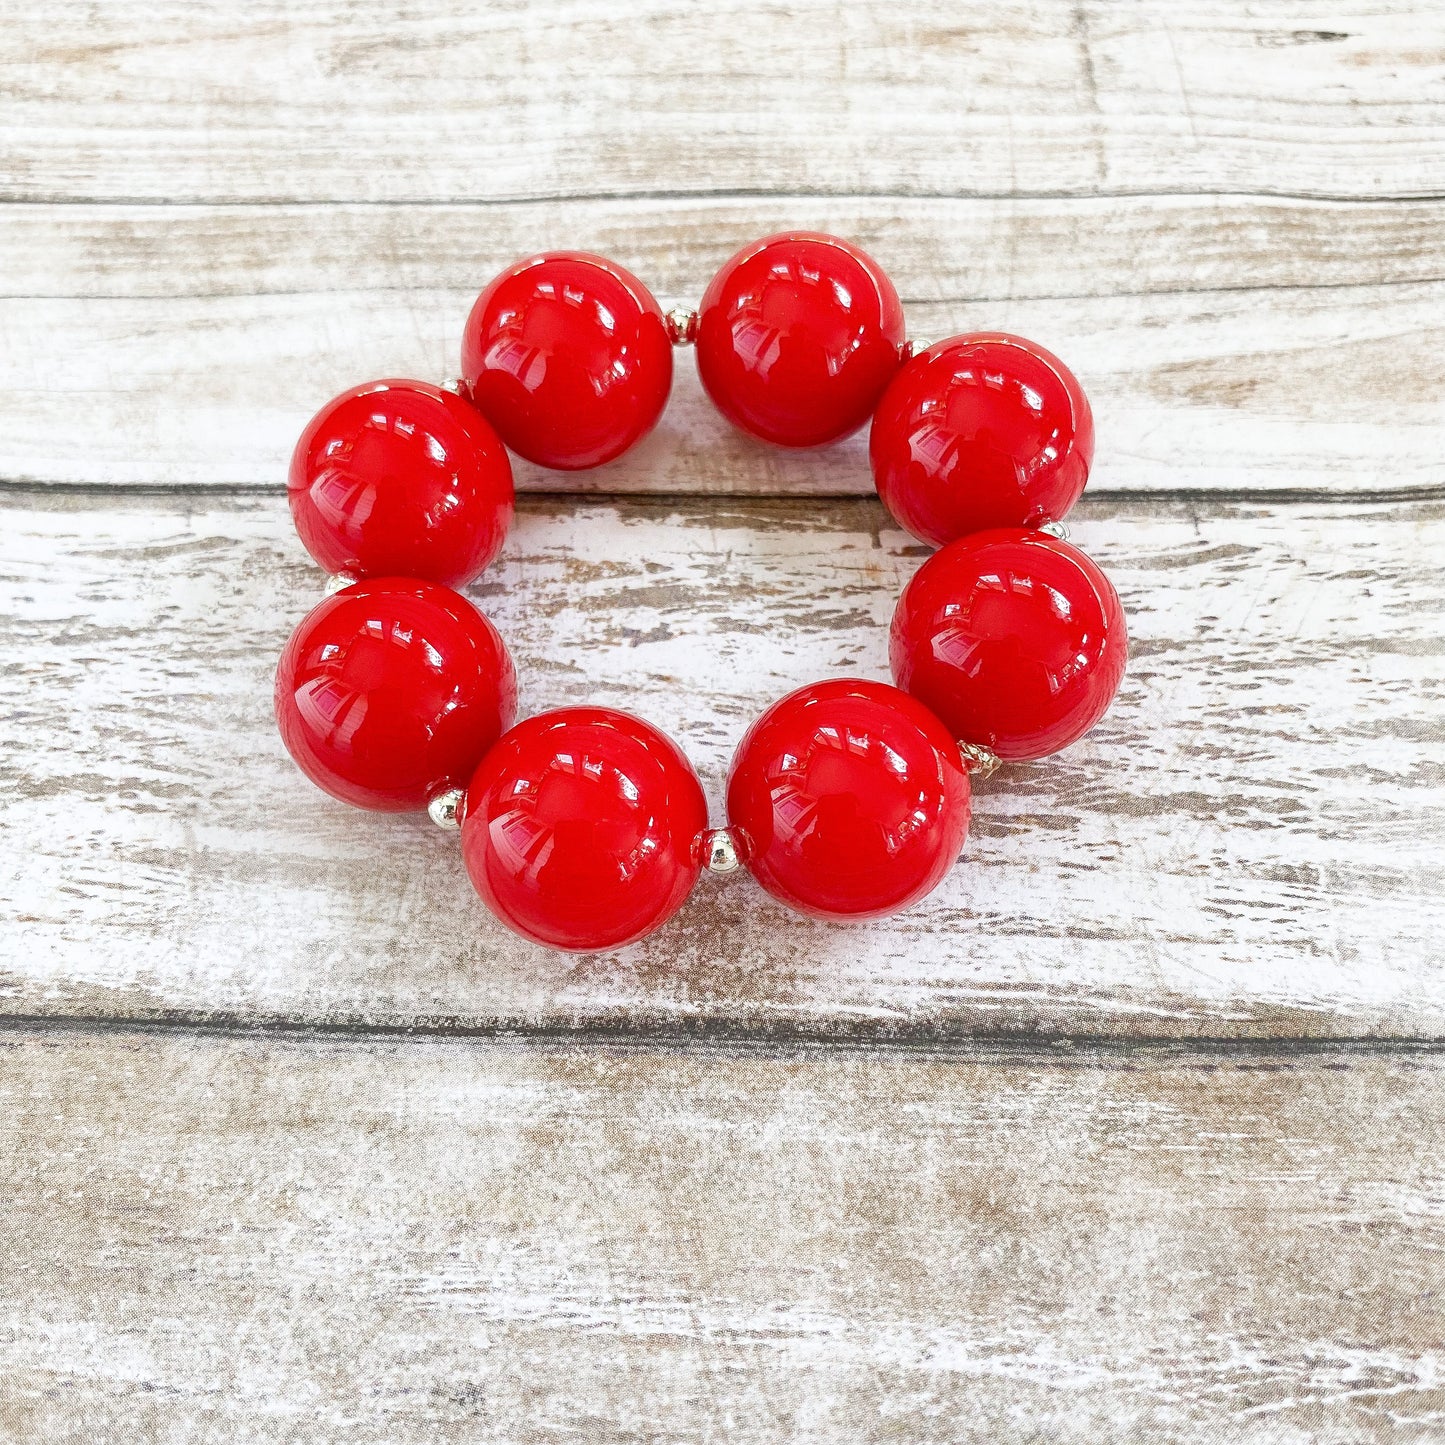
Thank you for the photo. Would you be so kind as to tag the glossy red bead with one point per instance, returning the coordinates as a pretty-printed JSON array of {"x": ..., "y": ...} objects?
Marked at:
[
  {"x": 582, "y": 828},
  {"x": 391, "y": 691},
  {"x": 1015, "y": 639},
  {"x": 797, "y": 337},
  {"x": 401, "y": 479},
  {"x": 981, "y": 431},
  {"x": 850, "y": 799},
  {"x": 569, "y": 358}
]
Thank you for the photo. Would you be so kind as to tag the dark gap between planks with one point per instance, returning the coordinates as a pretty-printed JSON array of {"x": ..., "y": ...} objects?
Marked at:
[
  {"x": 772, "y": 1038},
  {"x": 221, "y": 492}
]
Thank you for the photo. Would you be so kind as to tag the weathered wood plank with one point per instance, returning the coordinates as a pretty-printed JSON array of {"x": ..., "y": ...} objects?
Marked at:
[
  {"x": 446, "y": 1242},
  {"x": 1316, "y": 389},
  {"x": 418, "y": 101},
  {"x": 936, "y": 249},
  {"x": 1251, "y": 842}
]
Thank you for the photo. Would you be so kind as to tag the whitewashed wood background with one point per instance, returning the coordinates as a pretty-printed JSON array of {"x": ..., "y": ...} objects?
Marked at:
[{"x": 1133, "y": 1132}]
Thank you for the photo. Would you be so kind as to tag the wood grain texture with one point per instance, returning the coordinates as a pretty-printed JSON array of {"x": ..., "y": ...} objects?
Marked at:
[
  {"x": 1227, "y": 343},
  {"x": 238, "y": 1209},
  {"x": 1251, "y": 843},
  {"x": 1228, "y": 217},
  {"x": 1321, "y": 390},
  {"x": 936, "y": 250},
  {"x": 339, "y": 101},
  {"x": 446, "y": 1242}
]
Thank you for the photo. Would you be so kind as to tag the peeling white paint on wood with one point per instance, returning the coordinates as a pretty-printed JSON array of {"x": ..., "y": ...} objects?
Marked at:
[
  {"x": 1227, "y": 217},
  {"x": 414, "y": 1241},
  {"x": 1249, "y": 843}
]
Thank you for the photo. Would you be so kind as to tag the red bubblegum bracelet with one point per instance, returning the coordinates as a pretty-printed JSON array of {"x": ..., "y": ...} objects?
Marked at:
[{"x": 586, "y": 828}]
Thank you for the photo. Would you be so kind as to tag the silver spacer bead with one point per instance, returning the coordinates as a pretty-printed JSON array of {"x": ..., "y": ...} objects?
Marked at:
[
  {"x": 978, "y": 761},
  {"x": 720, "y": 852},
  {"x": 451, "y": 384},
  {"x": 914, "y": 345},
  {"x": 1055, "y": 529},
  {"x": 445, "y": 810},
  {"x": 681, "y": 326},
  {"x": 340, "y": 582}
]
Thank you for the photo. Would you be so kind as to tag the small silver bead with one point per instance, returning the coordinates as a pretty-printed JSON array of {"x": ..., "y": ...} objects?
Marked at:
[
  {"x": 978, "y": 761},
  {"x": 720, "y": 851},
  {"x": 1055, "y": 529},
  {"x": 451, "y": 384},
  {"x": 681, "y": 326},
  {"x": 914, "y": 346},
  {"x": 340, "y": 581},
  {"x": 445, "y": 810}
]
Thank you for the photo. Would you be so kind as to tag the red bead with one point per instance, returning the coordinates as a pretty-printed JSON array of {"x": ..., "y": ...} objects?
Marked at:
[
  {"x": 401, "y": 479},
  {"x": 569, "y": 358},
  {"x": 981, "y": 431},
  {"x": 391, "y": 691},
  {"x": 582, "y": 828},
  {"x": 1014, "y": 638},
  {"x": 797, "y": 336},
  {"x": 851, "y": 799}
]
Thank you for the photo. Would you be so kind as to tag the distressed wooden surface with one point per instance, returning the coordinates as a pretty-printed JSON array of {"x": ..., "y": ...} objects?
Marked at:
[
  {"x": 383, "y": 1241},
  {"x": 1240, "y": 252},
  {"x": 1229, "y": 343},
  {"x": 679, "y": 1222},
  {"x": 938, "y": 249},
  {"x": 1213, "y": 859},
  {"x": 339, "y": 101}
]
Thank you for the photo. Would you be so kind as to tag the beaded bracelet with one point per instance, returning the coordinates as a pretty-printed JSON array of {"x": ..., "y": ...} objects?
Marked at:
[{"x": 585, "y": 828}]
